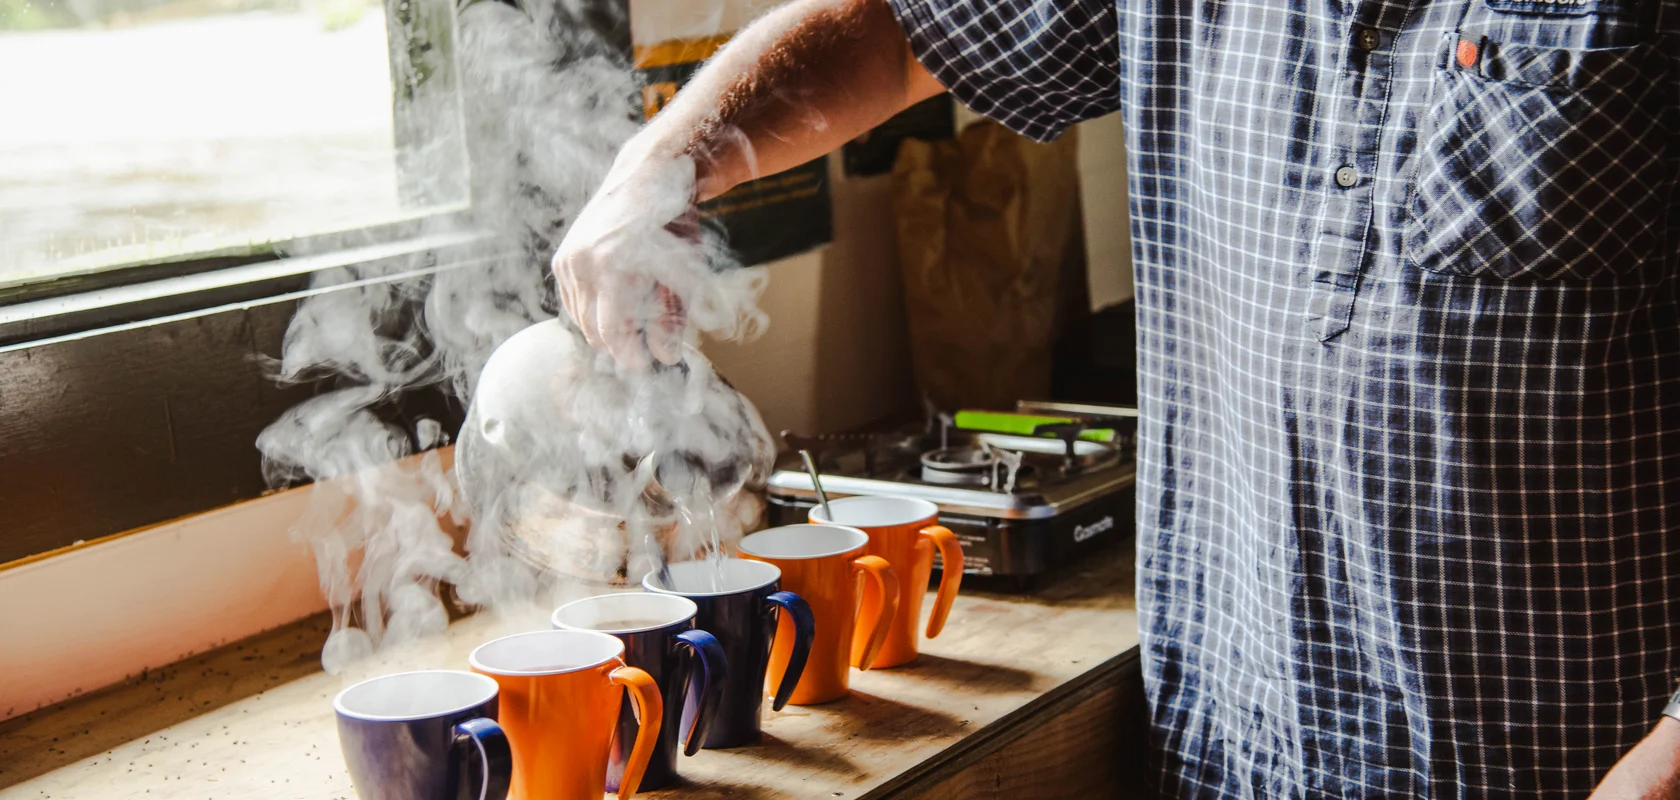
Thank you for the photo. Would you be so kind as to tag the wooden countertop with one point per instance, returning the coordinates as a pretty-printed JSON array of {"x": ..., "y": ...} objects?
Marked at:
[{"x": 255, "y": 719}]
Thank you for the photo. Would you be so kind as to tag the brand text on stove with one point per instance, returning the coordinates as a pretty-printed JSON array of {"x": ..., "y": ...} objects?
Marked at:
[{"x": 1083, "y": 532}]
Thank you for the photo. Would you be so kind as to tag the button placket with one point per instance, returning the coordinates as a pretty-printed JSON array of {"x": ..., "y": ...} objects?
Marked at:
[{"x": 1344, "y": 238}]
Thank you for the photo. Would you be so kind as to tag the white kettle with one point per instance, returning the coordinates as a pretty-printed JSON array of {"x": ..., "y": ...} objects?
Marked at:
[{"x": 585, "y": 470}]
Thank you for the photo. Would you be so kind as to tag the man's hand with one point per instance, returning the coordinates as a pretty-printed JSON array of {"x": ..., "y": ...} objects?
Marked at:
[
  {"x": 1649, "y": 771},
  {"x": 623, "y": 264},
  {"x": 796, "y": 83}
]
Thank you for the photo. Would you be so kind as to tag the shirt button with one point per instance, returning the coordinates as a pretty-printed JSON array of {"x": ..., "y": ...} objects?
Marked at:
[
  {"x": 1368, "y": 38},
  {"x": 1347, "y": 176}
]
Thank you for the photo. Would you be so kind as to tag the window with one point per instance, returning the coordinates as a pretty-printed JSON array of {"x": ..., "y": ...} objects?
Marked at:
[
  {"x": 150, "y": 131},
  {"x": 163, "y": 164}
]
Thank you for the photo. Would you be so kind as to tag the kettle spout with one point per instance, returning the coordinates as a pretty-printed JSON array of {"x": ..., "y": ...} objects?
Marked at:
[{"x": 655, "y": 500}]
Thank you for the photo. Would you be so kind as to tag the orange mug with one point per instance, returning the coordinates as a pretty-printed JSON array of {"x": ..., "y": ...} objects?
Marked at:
[
  {"x": 560, "y": 698},
  {"x": 905, "y": 531},
  {"x": 826, "y": 565}
]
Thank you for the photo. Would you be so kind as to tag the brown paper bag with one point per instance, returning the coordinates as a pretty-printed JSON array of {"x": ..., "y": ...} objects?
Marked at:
[{"x": 993, "y": 256}]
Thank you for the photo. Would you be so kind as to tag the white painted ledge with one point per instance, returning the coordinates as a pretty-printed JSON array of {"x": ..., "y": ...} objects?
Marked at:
[{"x": 96, "y": 615}]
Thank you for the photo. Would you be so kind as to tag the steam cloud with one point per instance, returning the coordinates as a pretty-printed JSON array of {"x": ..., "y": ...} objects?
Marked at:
[{"x": 574, "y": 472}]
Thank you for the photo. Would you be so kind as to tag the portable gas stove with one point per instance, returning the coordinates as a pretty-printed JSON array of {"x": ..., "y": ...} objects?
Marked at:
[{"x": 1020, "y": 504}]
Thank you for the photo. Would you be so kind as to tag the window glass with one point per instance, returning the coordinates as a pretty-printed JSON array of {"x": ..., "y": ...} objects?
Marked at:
[{"x": 138, "y": 131}]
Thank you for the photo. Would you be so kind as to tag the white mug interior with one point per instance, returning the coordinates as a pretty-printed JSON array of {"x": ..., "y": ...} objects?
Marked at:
[
  {"x": 414, "y": 695},
  {"x": 866, "y": 511},
  {"x": 804, "y": 541},
  {"x": 713, "y": 578},
  {"x": 594, "y": 613},
  {"x": 545, "y": 652}
]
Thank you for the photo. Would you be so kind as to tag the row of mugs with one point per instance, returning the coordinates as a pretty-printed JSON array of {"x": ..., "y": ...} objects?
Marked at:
[{"x": 541, "y": 714}]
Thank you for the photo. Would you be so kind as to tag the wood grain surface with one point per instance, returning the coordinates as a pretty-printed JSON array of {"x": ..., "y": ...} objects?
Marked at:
[{"x": 999, "y": 694}]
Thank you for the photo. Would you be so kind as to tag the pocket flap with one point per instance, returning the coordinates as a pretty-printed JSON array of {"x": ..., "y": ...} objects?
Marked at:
[{"x": 1563, "y": 68}]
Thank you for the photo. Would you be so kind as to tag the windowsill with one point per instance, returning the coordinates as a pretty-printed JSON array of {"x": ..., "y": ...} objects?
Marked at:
[
  {"x": 33, "y": 323},
  {"x": 131, "y": 604},
  {"x": 254, "y": 719}
]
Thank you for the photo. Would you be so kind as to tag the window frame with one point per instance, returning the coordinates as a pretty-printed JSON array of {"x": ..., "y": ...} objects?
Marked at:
[
  {"x": 131, "y": 395},
  {"x": 134, "y": 405},
  {"x": 43, "y": 311}
]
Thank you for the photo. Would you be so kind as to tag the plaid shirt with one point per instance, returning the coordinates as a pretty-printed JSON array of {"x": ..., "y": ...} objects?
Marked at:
[{"x": 1409, "y": 372}]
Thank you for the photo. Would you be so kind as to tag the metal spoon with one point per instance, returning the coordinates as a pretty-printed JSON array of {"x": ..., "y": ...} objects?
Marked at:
[{"x": 822, "y": 496}]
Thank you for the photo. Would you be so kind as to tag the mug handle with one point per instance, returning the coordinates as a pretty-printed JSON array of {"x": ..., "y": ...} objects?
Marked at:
[
  {"x": 491, "y": 744},
  {"x": 879, "y": 606},
  {"x": 650, "y": 712},
  {"x": 804, "y": 632},
  {"x": 951, "y": 554},
  {"x": 708, "y": 673}
]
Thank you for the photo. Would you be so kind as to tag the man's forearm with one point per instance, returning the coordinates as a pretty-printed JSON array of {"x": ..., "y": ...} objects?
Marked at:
[
  {"x": 797, "y": 83},
  {"x": 1650, "y": 770}
]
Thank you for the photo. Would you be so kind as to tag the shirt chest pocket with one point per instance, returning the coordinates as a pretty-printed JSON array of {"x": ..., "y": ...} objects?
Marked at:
[{"x": 1541, "y": 162}]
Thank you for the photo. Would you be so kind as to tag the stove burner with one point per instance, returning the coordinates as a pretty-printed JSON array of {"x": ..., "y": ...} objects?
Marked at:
[
  {"x": 1020, "y": 504},
  {"x": 958, "y": 466}
]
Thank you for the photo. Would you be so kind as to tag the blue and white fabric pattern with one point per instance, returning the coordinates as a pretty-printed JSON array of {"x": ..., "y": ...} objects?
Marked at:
[{"x": 1409, "y": 372}]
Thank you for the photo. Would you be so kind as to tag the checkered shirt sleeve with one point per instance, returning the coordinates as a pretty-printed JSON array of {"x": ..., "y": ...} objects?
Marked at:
[{"x": 1037, "y": 66}]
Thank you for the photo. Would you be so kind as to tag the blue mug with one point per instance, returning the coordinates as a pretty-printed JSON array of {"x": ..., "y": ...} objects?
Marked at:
[
  {"x": 661, "y": 639},
  {"x": 740, "y": 602},
  {"x": 424, "y": 736}
]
